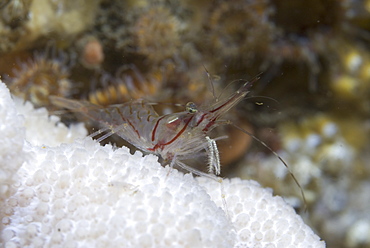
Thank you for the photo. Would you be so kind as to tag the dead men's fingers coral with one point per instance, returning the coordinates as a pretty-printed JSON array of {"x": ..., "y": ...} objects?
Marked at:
[{"x": 83, "y": 194}]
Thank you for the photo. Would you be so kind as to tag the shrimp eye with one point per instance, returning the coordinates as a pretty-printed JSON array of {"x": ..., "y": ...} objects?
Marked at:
[{"x": 191, "y": 107}]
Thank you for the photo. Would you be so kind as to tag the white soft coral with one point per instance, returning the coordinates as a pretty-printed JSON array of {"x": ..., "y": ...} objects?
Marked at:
[
  {"x": 11, "y": 141},
  {"x": 84, "y": 195}
]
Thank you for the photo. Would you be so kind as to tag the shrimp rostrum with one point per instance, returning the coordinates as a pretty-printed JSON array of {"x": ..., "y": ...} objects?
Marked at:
[{"x": 173, "y": 137}]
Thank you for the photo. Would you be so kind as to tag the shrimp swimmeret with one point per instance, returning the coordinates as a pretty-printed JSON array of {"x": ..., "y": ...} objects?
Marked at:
[{"x": 174, "y": 137}]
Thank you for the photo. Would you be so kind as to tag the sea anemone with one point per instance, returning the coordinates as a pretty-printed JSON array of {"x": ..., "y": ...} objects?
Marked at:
[
  {"x": 47, "y": 73},
  {"x": 128, "y": 83},
  {"x": 157, "y": 34}
]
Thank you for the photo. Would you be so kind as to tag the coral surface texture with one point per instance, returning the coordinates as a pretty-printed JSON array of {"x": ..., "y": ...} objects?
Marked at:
[{"x": 60, "y": 188}]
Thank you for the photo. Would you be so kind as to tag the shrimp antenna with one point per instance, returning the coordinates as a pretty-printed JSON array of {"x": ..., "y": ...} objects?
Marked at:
[
  {"x": 251, "y": 82},
  {"x": 280, "y": 158},
  {"x": 179, "y": 105},
  {"x": 265, "y": 97},
  {"x": 211, "y": 83}
]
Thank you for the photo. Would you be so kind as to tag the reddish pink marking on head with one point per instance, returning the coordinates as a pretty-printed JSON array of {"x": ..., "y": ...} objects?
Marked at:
[
  {"x": 155, "y": 127},
  {"x": 201, "y": 119},
  {"x": 160, "y": 145}
]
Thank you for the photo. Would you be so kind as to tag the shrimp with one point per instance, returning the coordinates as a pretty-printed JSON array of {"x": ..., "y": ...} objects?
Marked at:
[{"x": 173, "y": 137}]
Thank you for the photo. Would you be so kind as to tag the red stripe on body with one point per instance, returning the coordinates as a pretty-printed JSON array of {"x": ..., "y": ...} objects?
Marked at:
[
  {"x": 158, "y": 145},
  {"x": 155, "y": 127},
  {"x": 126, "y": 120}
]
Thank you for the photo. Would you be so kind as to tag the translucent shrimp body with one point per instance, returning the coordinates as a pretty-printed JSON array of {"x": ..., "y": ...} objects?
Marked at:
[{"x": 174, "y": 137}]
